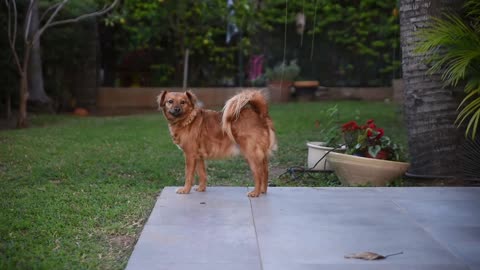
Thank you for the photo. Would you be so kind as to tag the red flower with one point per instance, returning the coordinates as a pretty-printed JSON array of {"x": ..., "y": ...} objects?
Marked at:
[
  {"x": 368, "y": 138},
  {"x": 350, "y": 126},
  {"x": 380, "y": 133},
  {"x": 371, "y": 124}
]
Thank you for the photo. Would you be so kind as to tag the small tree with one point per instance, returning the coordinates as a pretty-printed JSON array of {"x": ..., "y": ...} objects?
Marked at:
[{"x": 30, "y": 38}]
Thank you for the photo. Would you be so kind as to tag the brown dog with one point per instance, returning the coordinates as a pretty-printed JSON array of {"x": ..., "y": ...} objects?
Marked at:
[{"x": 243, "y": 127}]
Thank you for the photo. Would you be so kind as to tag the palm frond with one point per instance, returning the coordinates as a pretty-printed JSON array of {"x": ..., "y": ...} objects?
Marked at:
[
  {"x": 472, "y": 126},
  {"x": 473, "y": 85},
  {"x": 451, "y": 47}
]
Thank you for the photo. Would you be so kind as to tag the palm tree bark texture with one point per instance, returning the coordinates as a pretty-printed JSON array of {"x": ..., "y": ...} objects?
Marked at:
[{"x": 430, "y": 108}]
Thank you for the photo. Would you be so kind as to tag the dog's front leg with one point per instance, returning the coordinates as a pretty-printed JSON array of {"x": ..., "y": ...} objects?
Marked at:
[{"x": 190, "y": 164}]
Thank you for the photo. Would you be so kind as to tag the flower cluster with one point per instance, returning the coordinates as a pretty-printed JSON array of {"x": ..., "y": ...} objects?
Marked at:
[{"x": 369, "y": 141}]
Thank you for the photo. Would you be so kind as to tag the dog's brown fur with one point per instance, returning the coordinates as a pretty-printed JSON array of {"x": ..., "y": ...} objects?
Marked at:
[{"x": 243, "y": 127}]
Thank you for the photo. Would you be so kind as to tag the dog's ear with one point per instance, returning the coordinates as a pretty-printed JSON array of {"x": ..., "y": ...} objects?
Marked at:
[
  {"x": 161, "y": 99},
  {"x": 191, "y": 96}
]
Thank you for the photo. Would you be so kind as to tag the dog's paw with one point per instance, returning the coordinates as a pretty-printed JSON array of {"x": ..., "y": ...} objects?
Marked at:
[
  {"x": 253, "y": 194},
  {"x": 201, "y": 188},
  {"x": 183, "y": 190}
]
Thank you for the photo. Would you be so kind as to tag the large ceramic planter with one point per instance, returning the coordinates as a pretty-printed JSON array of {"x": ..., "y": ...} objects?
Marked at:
[
  {"x": 317, "y": 151},
  {"x": 354, "y": 170}
]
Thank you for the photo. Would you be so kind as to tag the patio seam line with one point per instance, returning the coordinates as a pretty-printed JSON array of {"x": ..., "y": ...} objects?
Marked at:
[
  {"x": 423, "y": 228},
  {"x": 256, "y": 234}
]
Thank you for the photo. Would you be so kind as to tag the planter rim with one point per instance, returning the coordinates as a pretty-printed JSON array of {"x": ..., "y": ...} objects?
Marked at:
[
  {"x": 372, "y": 160},
  {"x": 319, "y": 145}
]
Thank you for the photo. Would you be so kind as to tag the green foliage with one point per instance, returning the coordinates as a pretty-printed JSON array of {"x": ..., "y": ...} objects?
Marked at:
[
  {"x": 171, "y": 27},
  {"x": 283, "y": 72},
  {"x": 452, "y": 47},
  {"x": 330, "y": 132},
  {"x": 362, "y": 28},
  {"x": 366, "y": 28}
]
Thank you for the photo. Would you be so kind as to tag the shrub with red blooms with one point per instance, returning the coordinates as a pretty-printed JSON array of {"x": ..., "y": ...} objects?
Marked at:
[{"x": 369, "y": 141}]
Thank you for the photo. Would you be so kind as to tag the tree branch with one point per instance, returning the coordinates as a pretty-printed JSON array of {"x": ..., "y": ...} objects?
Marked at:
[
  {"x": 50, "y": 22},
  {"x": 84, "y": 16},
  {"x": 28, "y": 20},
  {"x": 12, "y": 38},
  {"x": 9, "y": 21},
  {"x": 48, "y": 10},
  {"x": 40, "y": 31}
]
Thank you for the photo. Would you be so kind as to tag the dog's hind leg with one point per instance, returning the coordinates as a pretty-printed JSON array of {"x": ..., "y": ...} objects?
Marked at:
[
  {"x": 190, "y": 164},
  {"x": 264, "y": 180},
  {"x": 256, "y": 163},
  {"x": 202, "y": 175}
]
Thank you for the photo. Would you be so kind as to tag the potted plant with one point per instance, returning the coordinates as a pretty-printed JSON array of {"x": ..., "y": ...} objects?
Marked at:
[
  {"x": 370, "y": 158},
  {"x": 329, "y": 141},
  {"x": 280, "y": 79},
  {"x": 318, "y": 152}
]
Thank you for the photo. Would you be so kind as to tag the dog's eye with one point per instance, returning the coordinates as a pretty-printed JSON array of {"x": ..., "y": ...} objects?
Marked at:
[
  {"x": 170, "y": 101},
  {"x": 182, "y": 102}
]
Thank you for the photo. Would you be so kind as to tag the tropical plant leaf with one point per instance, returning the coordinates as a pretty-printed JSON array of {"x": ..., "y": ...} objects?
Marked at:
[
  {"x": 451, "y": 46},
  {"x": 373, "y": 150},
  {"x": 472, "y": 126}
]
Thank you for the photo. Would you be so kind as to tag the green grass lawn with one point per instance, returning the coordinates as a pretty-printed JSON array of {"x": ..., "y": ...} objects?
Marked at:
[{"x": 75, "y": 192}]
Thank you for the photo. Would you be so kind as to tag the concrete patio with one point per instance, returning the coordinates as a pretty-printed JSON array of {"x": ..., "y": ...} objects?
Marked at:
[{"x": 312, "y": 228}]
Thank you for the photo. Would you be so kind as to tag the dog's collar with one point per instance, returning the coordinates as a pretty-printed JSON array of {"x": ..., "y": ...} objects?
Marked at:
[{"x": 188, "y": 120}]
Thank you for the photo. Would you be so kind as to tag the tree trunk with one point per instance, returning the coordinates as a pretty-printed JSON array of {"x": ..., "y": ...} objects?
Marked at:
[
  {"x": 36, "y": 88},
  {"x": 23, "y": 91},
  {"x": 430, "y": 109}
]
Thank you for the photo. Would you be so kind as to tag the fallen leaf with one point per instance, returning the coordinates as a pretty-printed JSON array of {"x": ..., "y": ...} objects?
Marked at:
[{"x": 370, "y": 256}]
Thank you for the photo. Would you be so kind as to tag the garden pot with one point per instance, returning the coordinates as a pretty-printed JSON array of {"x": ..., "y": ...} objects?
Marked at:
[
  {"x": 316, "y": 150},
  {"x": 355, "y": 170}
]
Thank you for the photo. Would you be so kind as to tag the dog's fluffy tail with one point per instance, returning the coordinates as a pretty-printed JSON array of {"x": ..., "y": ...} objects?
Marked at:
[{"x": 258, "y": 103}]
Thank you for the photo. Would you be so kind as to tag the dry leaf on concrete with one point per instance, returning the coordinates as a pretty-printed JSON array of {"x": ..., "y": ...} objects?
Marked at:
[{"x": 370, "y": 256}]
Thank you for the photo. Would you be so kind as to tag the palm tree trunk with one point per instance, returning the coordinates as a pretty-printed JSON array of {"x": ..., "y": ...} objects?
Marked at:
[{"x": 430, "y": 109}]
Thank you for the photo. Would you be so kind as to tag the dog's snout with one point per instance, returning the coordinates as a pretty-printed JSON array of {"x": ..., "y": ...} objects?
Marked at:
[{"x": 175, "y": 111}]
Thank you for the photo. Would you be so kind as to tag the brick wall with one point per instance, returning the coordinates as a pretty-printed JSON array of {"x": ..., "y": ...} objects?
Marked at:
[{"x": 128, "y": 100}]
